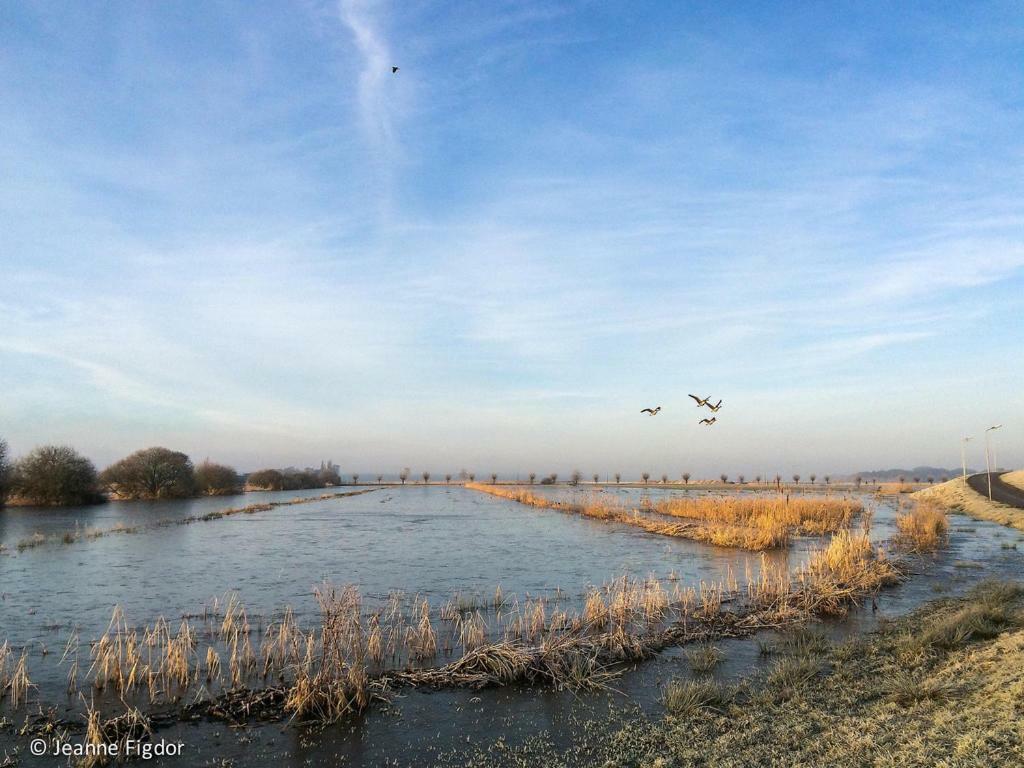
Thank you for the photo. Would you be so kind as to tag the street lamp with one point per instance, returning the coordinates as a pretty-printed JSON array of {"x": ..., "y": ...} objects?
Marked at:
[
  {"x": 988, "y": 464},
  {"x": 963, "y": 455}
]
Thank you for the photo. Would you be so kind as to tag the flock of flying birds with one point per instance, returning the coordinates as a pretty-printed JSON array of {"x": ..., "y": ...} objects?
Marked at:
[{"x": 701, "y": 401}]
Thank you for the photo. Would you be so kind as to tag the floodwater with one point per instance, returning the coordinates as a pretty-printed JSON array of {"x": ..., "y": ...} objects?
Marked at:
[{"x": 433, "y": 541}]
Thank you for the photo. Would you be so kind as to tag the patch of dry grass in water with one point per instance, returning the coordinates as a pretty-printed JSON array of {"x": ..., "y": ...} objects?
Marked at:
[
  {"x": 744, "y": 523},
  {"x": 922, "y": 528},
  {"x": 14, "y": 679}
]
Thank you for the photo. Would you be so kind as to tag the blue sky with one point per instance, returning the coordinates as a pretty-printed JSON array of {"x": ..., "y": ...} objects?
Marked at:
[{"x": 229, "y": 229}]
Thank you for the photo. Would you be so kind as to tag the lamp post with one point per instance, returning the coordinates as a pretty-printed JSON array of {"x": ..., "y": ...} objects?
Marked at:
[
  {"x": 988, "y": 464},
  {"x": 963, "y": 455}
]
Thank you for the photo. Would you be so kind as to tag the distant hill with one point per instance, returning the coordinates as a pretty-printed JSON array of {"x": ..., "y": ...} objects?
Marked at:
[{"x": 922, "y": 472}]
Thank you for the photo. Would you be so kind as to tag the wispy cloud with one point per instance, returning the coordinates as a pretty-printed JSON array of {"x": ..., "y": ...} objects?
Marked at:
[{"x": 378, "y": 104}]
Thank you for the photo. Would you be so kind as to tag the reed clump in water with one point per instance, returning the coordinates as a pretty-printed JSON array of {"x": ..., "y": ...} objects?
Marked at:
[
  {"x": 14, "y": 680},
  {"x": 130, "y": 726},
  {"x": 922, "y": 528},
  {"x": 332, "y": 681},
  {"x": 745, "y": 523},
  {"x": 835, "y": 578},
  {"x": 814, "y": 516}
]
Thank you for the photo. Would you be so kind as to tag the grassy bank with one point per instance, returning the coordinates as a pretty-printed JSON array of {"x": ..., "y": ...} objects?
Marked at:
[
  {"x": 955, "y": 494},
  {"x": 941, "y": 687},
  {"x": 1015, "y": 479}
]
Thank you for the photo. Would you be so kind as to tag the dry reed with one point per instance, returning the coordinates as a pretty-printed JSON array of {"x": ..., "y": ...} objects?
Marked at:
[
  {"x": 757, "y": 523},
  {"x": 924, "y": 528}
]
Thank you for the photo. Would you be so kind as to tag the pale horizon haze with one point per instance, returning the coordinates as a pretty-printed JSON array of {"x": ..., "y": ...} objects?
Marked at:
[{"x": 228, "y": 228}]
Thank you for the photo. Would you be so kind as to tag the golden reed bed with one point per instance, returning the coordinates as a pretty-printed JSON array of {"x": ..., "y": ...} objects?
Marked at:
[{"x": 756, "y": 523}]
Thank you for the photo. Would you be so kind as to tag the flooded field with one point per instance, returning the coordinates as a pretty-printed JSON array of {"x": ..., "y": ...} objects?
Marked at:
[{"x": 444, "y": 545}]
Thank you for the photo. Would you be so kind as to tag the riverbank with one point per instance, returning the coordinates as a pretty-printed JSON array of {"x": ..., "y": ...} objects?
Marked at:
[
  {"x": 955, "y": 494},
  {"x": 941, "y": 686}
]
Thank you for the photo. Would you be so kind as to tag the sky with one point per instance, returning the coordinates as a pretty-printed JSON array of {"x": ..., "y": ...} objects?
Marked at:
[{"x": 228, "y": 228}]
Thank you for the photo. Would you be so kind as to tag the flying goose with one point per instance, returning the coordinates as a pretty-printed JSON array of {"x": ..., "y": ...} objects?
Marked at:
[
  {"x": 394, "y": 70},
  {"x": 716, "y": 407},
  {"x": 652, "y": 411},
  {"x": 701, "y": 402},
  {"x": 709, "y": 422}
]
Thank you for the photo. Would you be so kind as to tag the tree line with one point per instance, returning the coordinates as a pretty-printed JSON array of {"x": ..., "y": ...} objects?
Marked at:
[{"x": 60, "y": 475}]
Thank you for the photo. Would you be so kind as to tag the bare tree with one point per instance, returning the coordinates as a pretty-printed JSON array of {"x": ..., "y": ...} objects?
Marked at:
[
  {"x": 533, "y": 477},
  {"x": 355, "y": 479},
  {"x": 494, "y": 478},
  {"x": 404, "y": 475},
  {"x": 380, "y": 479},
  {"x": 217, "y": 479},
  {"x": 757, "y": 478},
  {"x": 447, "y": 479},
  {"x": 618, "y": 478},
  {"x": 686, "y": 478},
  {"x": 56, "y": 474},
  {"x": 152, "y": 473},
  {"x": 917, "y": 479},
  {"x": 664, "y": 479},
  {"x": 828, "y": 479},
  {"x": 646, "y": 476},
  {"x": 858, "y": 480},
  {"x": 426, "y": 477},
  {"x": 595, "y": 477},
  {"x": 902, "y": 479},
  {"x": 724, "y": 477},
  {"x": 741, "y": 479},
  {"x": 930, "y": 480},
  {"x": 472, "y": 477},
  {"x": 5, "y": 472},
  {"x": 576, "y": 477},
  {"x": 554, "y": 477},
  {"x": 813, "y": 478},
  {"x": 796, "y": 479}
]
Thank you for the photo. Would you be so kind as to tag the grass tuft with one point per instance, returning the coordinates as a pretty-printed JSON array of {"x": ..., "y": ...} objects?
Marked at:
[{"x": 685, "y": 698}]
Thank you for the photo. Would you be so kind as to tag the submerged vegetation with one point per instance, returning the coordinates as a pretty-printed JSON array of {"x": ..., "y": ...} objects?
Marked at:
[
  {"x": 755, "y": 523},
  {"x": 87, "y": 534}
]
